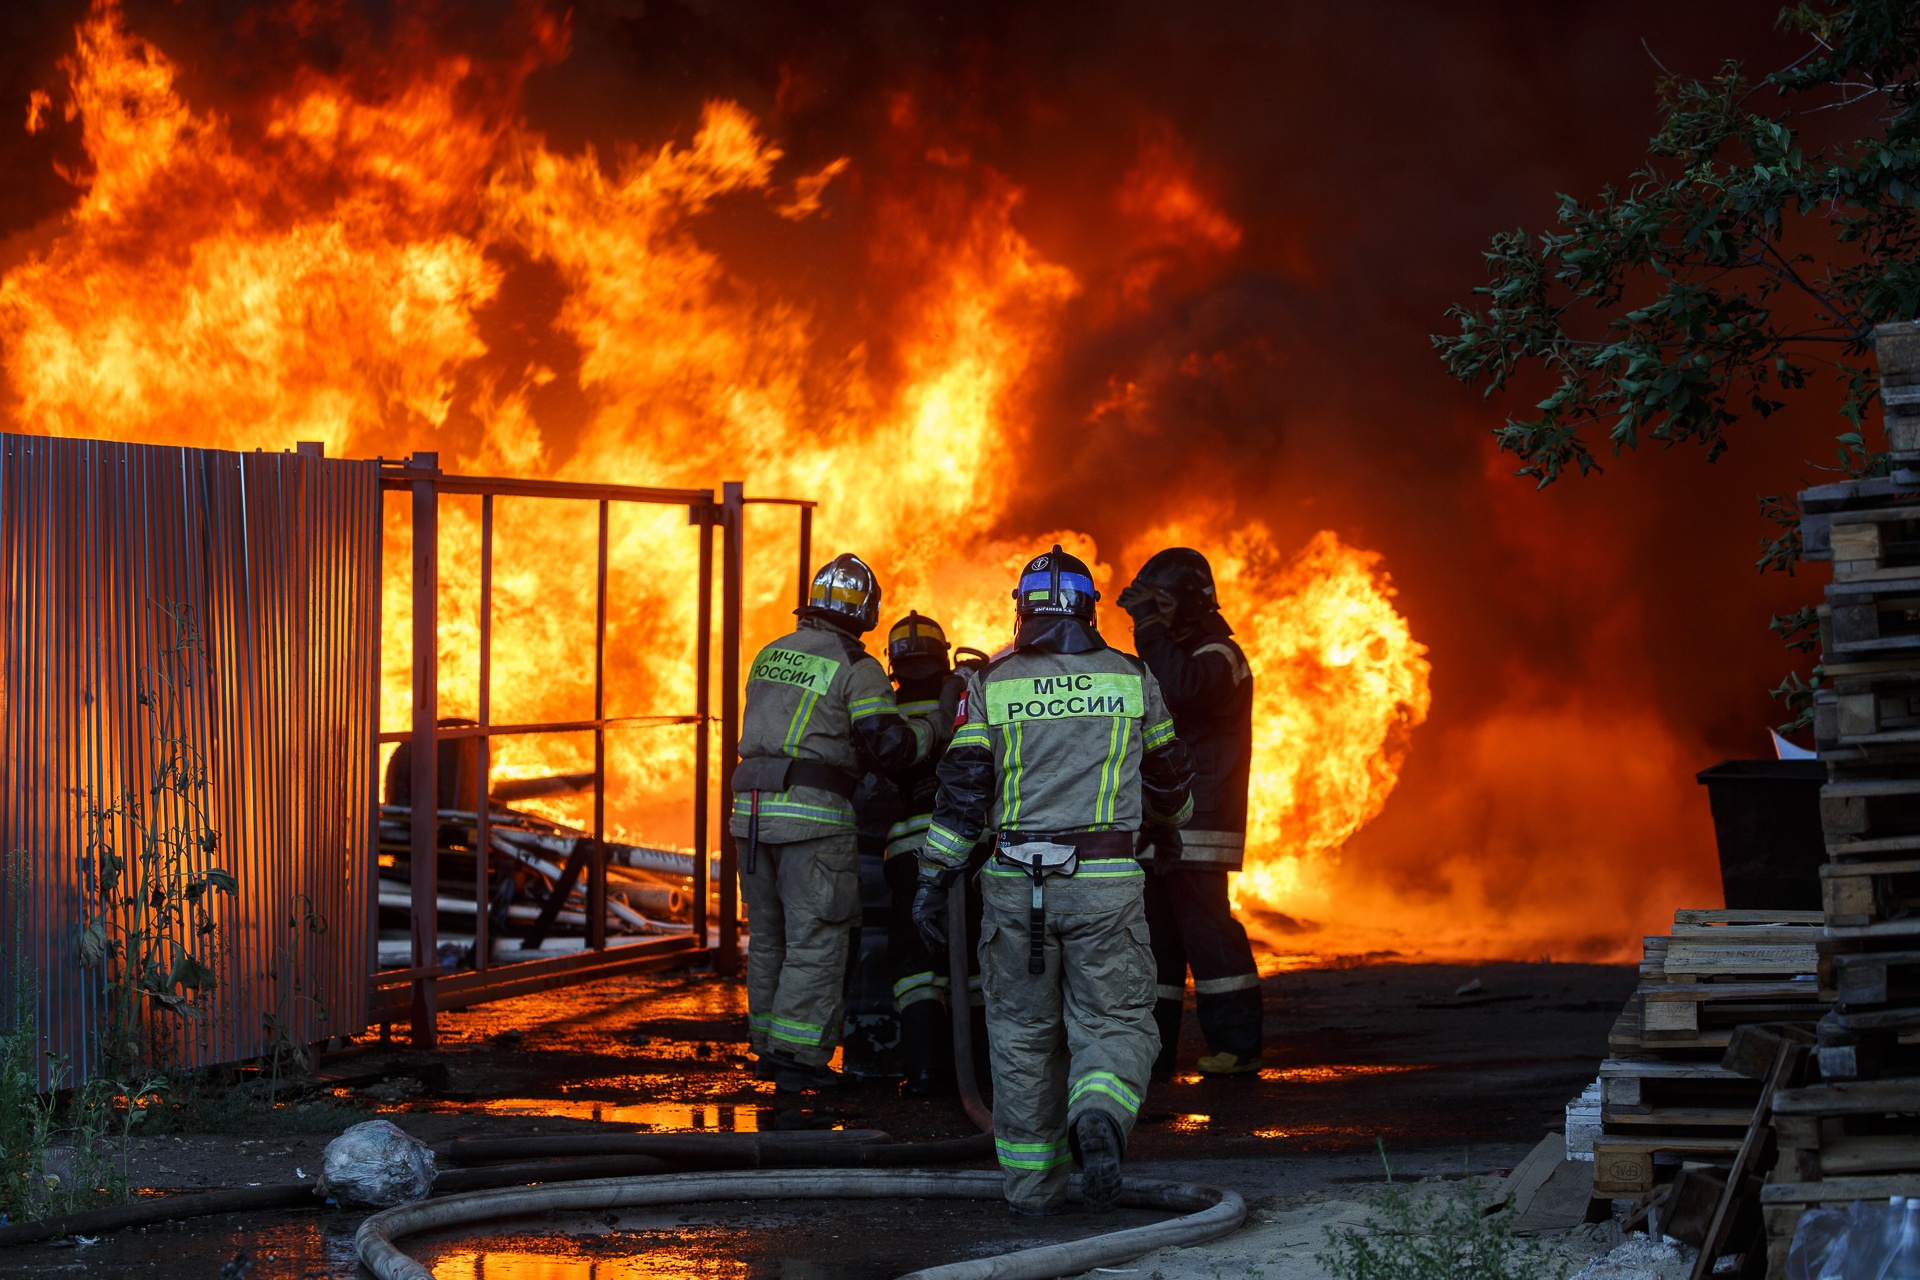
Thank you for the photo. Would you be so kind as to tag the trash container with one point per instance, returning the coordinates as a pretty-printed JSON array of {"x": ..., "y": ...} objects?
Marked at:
[{"x": 1766, "y": 820}]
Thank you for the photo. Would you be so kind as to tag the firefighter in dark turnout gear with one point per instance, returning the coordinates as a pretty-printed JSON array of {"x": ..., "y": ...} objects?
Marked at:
[
  {"x": 1064, "y": 749},
  {"x": 917, "y": 655},
  {"x": 1190, "y": 649},
  {"x": 820, "y": 713}
]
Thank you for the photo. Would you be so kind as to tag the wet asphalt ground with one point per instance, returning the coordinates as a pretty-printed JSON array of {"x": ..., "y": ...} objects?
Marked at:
[{"x": 1359, "y": 1058}]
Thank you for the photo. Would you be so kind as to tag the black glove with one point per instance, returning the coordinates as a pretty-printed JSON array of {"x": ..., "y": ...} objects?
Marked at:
[
  {"x": 1165, "y": 844},
  {"x": 1146, "y": 605},
  {"x": 930, "y": 907}
]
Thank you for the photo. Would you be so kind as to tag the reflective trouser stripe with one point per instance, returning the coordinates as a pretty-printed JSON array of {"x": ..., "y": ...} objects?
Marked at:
[
  {"x": 1039, "y": 1156},
  {"x": 916, "y": 987},
  {"x": 1220, "y": 986},
  {"x": 802, "y": 1033},
  {"x": 1164, "y": 992},
  {"x": 1107, "y": 1083}
]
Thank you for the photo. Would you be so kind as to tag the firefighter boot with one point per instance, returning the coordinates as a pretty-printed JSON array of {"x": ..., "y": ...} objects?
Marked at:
[{"x": 1097, "y": 1143}]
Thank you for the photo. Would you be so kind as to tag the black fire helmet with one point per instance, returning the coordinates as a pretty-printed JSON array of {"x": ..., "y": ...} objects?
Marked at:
[
  {"x": 845, "y": 593},
  {"x": 917, "y": 647},
  {"x": 1184, "y": 574},
  {"x": 1056, "y": 585}
]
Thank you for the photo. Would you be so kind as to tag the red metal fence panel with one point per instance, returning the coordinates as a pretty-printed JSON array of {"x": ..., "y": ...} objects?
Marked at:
[{"x": 108, "y": 552}]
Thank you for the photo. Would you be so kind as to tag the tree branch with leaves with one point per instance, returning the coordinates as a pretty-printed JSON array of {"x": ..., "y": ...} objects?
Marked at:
[
  {"x": 1738, "y": 269},
  {"x": 1732, "y": 270}
]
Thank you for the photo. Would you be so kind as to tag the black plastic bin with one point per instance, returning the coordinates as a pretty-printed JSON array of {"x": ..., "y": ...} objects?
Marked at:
[{"x": 1766, "y": 820}]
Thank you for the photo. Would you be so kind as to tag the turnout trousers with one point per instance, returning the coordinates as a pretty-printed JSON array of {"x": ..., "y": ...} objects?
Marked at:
[
  {"x": 1079, "y": 1037},
  {"x": 1193, "y": 927},
  {"x": 803, "y": 900}
]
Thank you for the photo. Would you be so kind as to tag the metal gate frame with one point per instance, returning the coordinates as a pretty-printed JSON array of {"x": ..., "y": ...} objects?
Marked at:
[{"x": 429, "y": 990}]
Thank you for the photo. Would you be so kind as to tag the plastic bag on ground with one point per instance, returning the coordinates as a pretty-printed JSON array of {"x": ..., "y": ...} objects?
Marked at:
[
  {"x": 377, "y": 1164},
  {"x": 1864, "y": 1241},
  {"x": 1819, "y": 1247}
]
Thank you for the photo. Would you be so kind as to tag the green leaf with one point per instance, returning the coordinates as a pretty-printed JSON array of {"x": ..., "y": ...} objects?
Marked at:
[
  {"x": 190, "y": 973},
  {"x": 94, "y": 945}
]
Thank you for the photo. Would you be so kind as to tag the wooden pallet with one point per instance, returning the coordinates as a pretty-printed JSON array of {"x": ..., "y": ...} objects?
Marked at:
[
  {"x": 1628, "y": 1166},
  {"x": 1872, "y": 620},
  {"x": 1869, "y": 1044},
  {"x": 1877, "y": 544},
  {"x": 1862, "y": 816},
  {"x": 1682, "y": 1011},
  {"x": 1821, "y": 505},
  {"x": 1863, "y": 894},
  {"x": 1716, "y": 971},
  {"x": 1875, "y": 707},
  {"x": 1744, "y": 945},
  {"x": 1861, "y": 980},
  {"x": 1629, "y": 1087},
  {"x": 1843, "y": 1128}
]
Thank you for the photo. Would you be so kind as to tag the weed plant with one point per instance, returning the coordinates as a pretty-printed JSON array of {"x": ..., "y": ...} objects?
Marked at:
[
  {"x": 26, "y": 1116},
  {"x": 148, "y": 857},
  {"x": 1435, "y": 1235},
  {"x": 154, "y": 936},
  {"x": 212, "y": 1104}
]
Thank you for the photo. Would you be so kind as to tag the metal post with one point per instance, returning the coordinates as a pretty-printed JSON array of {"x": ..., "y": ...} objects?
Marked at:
[
  {"x": 806, "y": 554},
  {"x": 597, "y": 857},
  {"x": 424, "y": 862},
  {"x": 483, "y": 824},
  {"x": 728, "y": 961},
  {"x": 703, "y": 708}
]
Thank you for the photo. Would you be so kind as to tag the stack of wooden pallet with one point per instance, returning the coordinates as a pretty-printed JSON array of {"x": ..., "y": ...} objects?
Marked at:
[
  {"x": 1666, "y": 1097},
  {"x": 1855, "y": 1135}
]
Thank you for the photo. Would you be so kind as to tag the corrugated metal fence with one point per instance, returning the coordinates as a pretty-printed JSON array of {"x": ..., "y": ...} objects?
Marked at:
[{"x": 274, "y": 560}]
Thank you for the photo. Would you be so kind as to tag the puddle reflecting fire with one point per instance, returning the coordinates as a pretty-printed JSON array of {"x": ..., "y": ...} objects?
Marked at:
[
  {"x": 661, "y": 1117},
  {"x": 1322, "y": 1074},
  {"x": 512, "y": 1264},
  {"x": 1315, "y": 1131}
]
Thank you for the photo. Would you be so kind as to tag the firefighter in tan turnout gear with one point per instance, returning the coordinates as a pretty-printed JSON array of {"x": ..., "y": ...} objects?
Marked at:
[
  {"x": 1064, "y": 749},
  {"x": 820, "y": 713},
  {"x": 923, "y": 671}
]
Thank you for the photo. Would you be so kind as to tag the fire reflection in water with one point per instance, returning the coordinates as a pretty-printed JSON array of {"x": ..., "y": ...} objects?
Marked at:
[
  {"x": 563, "y": 1264},
  {"x": 658, "y": 1117}
]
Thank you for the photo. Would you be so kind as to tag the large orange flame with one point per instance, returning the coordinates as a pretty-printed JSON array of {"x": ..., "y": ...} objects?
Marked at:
[{"x": 351, "y": 270}]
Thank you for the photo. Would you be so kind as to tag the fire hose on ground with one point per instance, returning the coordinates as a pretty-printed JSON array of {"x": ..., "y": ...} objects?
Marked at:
[
  {"x": 590, "y": 1156},
  {"x": 624, "y": 1170},
  {"x": 1209, "y": 1212},
  {"x": 634, "y": 1169},
  {"x": 960, "y": 998}
]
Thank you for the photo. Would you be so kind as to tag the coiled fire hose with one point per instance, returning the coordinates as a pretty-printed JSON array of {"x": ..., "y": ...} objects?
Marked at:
[
  {"x": 591, "y": 1155},
  {"x": 1210, "y": 1212}
]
